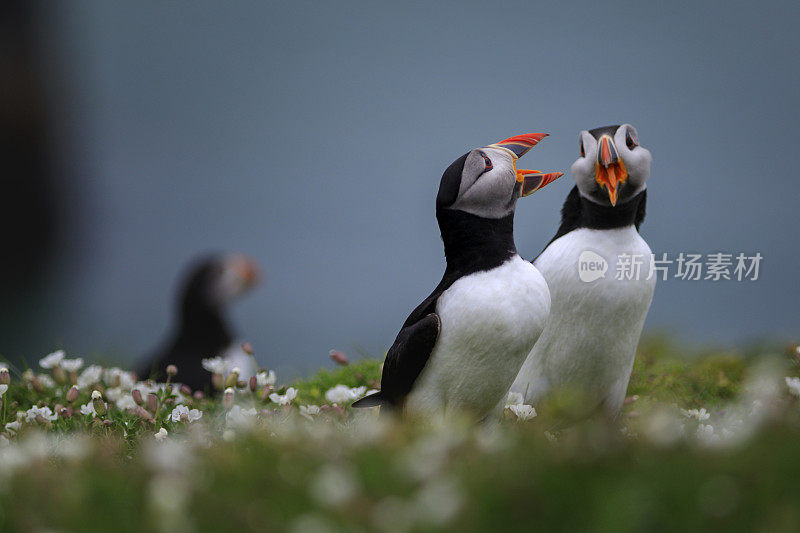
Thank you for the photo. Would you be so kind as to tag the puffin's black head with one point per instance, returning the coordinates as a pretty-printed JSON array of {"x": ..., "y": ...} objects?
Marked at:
[
  {"x": 214, "y": 281},
  {"x": 612, "y": 167},
  {"x": 486, "y": 182}
]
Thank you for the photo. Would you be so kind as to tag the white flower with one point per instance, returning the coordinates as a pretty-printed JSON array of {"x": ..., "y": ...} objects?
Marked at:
[
  {"x": 239, "y": 417},
  {"x": 333, "y": 486},
  {"x": 113, "y": 375},
  {"x": 794, "y": 385},
  {"x": 266, "y": 378},
  {"x": 72, "y": 365},
  {"x": 358, "y": 392},
  {"x": 88, "y": 409},
  {"x": 191, "y": 414},
  {"x": 13, "y": 427},
  {"x": 3, "y": 389},
  {"x": 438, "y": 502},
  {"x": 550, "y": 436},
  {"x": 514, "y": 398},
  {"x": 45, "y": 412},
  {"x": 523, "y": 411},
  {"x": 125, "y": 402},
  {"x": 705, "y": 431},
  {"x": 46, "y": 380},
  {"x": 52, "y": 360},
  {"x": 114, "y": 394},
  {"x": 145, "y": 389},
  {"x": 285, "y": 399},
  {"x": 343, "y": 394},
  {"x": 309, "y": 411},
  {"x": 90, "y": 376},
  {"x": 699, "y": 414},
  {"x": 169, "y": 458},
  {"x": 215, "y": 365},
  {"x": 161, "y": 434}
]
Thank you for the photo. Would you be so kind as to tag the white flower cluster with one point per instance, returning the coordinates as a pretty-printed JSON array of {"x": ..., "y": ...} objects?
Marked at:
[
  {"x": 341, "y": 394},
  {"x": 794, "y": 385},
  {"x": 523, "y": 411},
  {"x": 183, "y": 414},
  {"x": 52, "y": 360},
  {"x": 215, "y": 365},
  {"x": 698, "y": 414},
  {"x": 45, "y": 412},
  {"x": 264, "y": 379},
  {"x": 286, "y": 398},
  {"x": 90, "y": 376}
]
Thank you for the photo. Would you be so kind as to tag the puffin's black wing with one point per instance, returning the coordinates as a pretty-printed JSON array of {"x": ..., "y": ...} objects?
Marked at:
[
  {"x": 404, "y": 362},
  {"x": 411, "y": 349}
]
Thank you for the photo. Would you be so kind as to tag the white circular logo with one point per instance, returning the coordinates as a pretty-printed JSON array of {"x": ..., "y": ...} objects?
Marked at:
[{"x": 591, "y": 266}]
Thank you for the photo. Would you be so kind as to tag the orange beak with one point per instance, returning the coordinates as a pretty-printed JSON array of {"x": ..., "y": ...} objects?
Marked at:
[
  {"x": 246, "y": 269},
  {"x": 609, "y": 170},
  {"x": 520, "y": 144},
  {"x": 530, "y": 180},
  {"x": 533, "y": 180}
]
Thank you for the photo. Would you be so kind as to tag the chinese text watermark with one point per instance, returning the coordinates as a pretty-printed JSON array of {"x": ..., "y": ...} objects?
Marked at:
[{"x": 717, "y": 266}]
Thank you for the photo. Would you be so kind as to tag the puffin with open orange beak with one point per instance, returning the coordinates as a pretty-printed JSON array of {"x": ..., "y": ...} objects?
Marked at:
[
  {"x": 461, "y": 348},
  {"x": 613, "y": 167},
  {"x": 598, "y": 269}
]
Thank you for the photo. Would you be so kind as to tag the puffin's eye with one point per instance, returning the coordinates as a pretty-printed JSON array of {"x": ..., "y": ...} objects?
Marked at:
[
  {"x": 487, "y": 162},
  {"x": 631, "y": 141},
  {"x": 583, "y": 152}
]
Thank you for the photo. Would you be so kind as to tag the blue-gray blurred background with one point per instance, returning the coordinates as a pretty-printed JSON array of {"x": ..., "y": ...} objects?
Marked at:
[{"x": 312, "y": 136}]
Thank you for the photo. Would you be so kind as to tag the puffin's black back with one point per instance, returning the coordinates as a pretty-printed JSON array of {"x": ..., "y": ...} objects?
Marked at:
[{"x": 201, "y": 331}]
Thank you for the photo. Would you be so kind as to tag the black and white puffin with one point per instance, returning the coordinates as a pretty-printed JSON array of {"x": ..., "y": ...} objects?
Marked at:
[
  {"x": 598, "y": 270},
  {"x": 461, "y": 348},
  {"x": 209, "y": 285}
]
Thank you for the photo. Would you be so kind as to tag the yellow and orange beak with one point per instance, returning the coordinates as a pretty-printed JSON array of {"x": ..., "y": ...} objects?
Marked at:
[
  {"x": 609, "y": 170},
  {"x": 530, "y": 180},
  {"x": 533, "y": 180}
]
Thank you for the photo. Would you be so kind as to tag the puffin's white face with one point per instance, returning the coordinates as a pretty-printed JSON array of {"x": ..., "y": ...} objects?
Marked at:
[
  {"x": 239, "y": 273},
  {"x": 612, "y": 167},
  {"x": 486, "y": 182}
]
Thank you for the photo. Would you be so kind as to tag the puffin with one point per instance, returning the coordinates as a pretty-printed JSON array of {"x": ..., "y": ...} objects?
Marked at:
[
  {"x": 202, "y": 330},
  {"x": 460, "y": 349},
  {"x": 598, "y": 269}
]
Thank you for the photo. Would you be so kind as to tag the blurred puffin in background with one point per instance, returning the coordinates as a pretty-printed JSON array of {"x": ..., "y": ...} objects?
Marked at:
[
  {"x": 202, "y": 331},
  {"x": 598, "y": 270}
]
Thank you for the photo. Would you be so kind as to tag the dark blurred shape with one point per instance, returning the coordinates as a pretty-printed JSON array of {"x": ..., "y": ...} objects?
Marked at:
[
  {"x": 30, "y": 215},
  {"x": 202, "y": 330}
]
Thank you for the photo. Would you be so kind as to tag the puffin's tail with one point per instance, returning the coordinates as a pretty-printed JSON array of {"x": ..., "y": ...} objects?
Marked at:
[{"x": 373, "y": 400}]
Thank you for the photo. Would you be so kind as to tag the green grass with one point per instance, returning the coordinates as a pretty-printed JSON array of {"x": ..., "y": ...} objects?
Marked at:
[
  {"x": 365, "y": 372},
  {"x": 564, "y": 470},
  {"x": 666, "y": 373}
]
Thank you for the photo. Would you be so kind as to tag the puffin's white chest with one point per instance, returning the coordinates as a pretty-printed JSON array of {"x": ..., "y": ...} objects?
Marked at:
[
  {"x": 594, "y": 324},
  {"x": 490, "y": 321}
]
